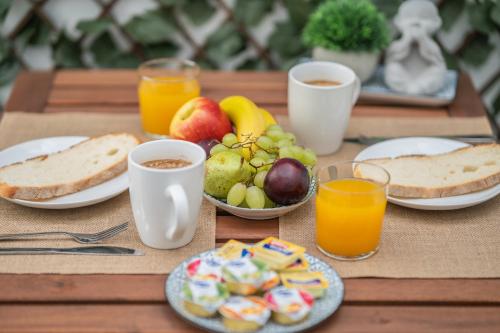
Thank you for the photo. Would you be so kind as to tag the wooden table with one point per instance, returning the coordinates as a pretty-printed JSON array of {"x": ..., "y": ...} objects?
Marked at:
[{"x": 136, "y": 303}]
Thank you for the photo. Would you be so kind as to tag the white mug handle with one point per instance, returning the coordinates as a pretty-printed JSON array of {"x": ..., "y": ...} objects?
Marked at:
[
  {"x": 357, "y": 90},
  {"x": 181, "y": 211}
]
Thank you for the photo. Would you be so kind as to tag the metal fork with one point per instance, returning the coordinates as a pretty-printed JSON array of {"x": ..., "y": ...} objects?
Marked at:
[{"x": 79, "y": 237}]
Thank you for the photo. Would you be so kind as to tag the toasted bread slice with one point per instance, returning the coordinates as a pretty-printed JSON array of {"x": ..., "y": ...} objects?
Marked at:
[
  {"x": 83, "y": 165},
  {"x": 462, "y": 171}
]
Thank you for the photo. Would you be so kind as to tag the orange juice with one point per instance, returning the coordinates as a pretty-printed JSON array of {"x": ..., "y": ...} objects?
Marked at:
[
  {"x": 160, "y": 98},
  {"x": 349, "y": 216}
]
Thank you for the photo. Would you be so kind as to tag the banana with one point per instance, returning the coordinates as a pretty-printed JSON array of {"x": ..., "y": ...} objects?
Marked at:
[
  {"x": 268, "y": 118},
  {"x": 246, "y": 117}
]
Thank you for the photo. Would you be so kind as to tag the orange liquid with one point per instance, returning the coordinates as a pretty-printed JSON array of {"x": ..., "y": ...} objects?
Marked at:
[
  {"x": 160, "y": 99},
  {"x": 349, "y": 216}
]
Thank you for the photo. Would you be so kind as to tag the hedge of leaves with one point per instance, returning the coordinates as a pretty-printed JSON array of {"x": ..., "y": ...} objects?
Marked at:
[{"x": 151, "y": 34}]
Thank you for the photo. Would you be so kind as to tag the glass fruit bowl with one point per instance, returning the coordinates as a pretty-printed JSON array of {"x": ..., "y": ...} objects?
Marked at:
[{"x": 264, "y": 213}]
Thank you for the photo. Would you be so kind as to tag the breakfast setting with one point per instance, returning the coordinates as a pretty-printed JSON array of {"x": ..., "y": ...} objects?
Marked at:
[{"x": 353, "y": 189}]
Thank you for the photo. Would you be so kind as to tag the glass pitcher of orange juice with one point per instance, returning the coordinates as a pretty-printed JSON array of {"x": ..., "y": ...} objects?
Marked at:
[
  {"x": 166, "y": 84},
  {"x": 350, "y": 208}
]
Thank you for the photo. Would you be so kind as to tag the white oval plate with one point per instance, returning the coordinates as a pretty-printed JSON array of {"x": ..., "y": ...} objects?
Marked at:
[
  {"x": 262, "y": 214},
  {"x": 426, "y": 146},
  {"x": 87, "y": 197}
]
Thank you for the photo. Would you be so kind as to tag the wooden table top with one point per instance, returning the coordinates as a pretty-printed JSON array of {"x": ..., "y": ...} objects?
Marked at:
[{"x": 136, "y": 303}]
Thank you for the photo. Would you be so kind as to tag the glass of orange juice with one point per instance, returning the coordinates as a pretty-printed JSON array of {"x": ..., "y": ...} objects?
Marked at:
[
  {"x": 166, "y": 84},
  {"x": 350, "y": 208}
]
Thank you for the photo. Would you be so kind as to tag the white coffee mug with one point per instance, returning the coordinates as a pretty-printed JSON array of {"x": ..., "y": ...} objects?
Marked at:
[
  {"x": 166, "y": 202},
  {"x": 319, "y": 115}
]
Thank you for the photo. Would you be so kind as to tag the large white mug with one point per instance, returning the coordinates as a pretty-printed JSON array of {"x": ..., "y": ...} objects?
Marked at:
[
  {"x": 319, "y": 115},
  {"x": 166, "y": 202}
]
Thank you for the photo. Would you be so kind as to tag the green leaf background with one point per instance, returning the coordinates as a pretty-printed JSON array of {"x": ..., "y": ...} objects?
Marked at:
[{"x": 161, "y": 32}]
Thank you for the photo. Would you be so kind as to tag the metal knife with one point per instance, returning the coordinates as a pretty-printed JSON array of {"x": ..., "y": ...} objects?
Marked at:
[
  {"x": 83, "y": 250},
  {"x": 472, "y": 139}
]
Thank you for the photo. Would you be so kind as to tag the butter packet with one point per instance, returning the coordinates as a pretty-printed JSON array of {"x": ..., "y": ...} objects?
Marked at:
[
  {"x": 234, "y": 250},
  {"x": 313, "y": 282},
  {"x": 300, "y": 265},
  {"x": 276, "y": 253}
]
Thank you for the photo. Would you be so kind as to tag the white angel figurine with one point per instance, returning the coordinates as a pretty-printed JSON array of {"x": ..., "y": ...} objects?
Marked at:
[{"x": 414, "y": 63}]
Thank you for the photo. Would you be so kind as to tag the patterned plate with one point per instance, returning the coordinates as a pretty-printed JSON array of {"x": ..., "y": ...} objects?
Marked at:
[{"x": 323, "y": 307}]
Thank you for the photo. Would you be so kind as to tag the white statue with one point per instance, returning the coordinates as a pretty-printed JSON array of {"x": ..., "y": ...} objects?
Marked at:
[{"x": 414, "y": 63}]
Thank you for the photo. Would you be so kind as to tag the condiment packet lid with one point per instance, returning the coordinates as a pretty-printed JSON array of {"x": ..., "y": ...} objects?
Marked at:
[
  {"x": 277, "y": 253},
  {"x": 270, "y": 279},
  {"x": 244, "y": 270},
  {"x": 205, "y": 269},
  {"x": 246, "y": 308},
  {"x": 305, "y": 280},
  {"x": 294, "y": 303},
  {"x": 209, "y": 294},
  {"x": 234, "y": 249}
]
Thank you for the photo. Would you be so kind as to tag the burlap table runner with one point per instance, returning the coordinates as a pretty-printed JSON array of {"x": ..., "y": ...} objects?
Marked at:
[
  {"x": 19, "y": 127},
  {"x": 462, "y": 243}
]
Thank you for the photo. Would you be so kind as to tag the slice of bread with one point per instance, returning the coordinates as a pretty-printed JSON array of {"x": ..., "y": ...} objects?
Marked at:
[
  {"x": 462, "y": 171},
  {"x": 83, "y": 165}
]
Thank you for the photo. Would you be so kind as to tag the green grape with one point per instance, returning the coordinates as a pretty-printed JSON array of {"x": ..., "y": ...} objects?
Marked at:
[
  {"x": 265, "y": 143},
  {"x": 255, "y": 197},
  {"x": 218, "y": 148},
  {"x": 236, "y": 194},
  {"x": 309, "y": 157},
  {"x": 291, "y": 137},
  {"x": 262, "y": 154},
  {"x": 257, "y": 162},
  {"x": 286, "y": 152},
  {"x": 259, "y": 179},
  {"x": 274, "y": 127},
  {"x": 270, "y": 160},
  {"x": 284, "y": 143},
  {"x": 276, "y": 135},
  {"x": 297, "y": 152},
  {"x": 268, "y": 203},
  {"x": 237, "y": 150},
  {"x": 229, "y": 139},
  {"x": 244, "y": 204},
  {"x": 273, "y": 156}
]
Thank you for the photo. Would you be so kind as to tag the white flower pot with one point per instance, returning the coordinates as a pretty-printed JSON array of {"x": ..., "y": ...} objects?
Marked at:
[{"x": 362, "y": 63}]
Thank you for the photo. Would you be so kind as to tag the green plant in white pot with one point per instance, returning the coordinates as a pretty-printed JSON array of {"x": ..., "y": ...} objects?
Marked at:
[{"x": 350, "y": 32}]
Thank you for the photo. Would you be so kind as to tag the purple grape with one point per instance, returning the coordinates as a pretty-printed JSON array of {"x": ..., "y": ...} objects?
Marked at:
[{"x": 287, "y": 182}]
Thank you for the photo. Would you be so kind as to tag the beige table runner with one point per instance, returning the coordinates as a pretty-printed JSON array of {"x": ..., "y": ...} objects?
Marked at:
[
  {"x": 463, "y": 243},
  {"x": 19, "y": 127}
]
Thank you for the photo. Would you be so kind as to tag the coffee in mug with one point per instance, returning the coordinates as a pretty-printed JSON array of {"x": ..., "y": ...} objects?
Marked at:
[
  {"x": 324, "y": 83},
  {"x": 167, "y": 163}
]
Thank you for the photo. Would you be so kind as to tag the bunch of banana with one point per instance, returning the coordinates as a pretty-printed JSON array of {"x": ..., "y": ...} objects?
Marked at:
[{"x": 249, "y": 120}]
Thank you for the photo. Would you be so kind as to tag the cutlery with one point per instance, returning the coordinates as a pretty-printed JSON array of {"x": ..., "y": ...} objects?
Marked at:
[
  {"x": 79, "y": 237},
  {"x": 87, "y": 250},
  {"x": 471, "y": 139}
]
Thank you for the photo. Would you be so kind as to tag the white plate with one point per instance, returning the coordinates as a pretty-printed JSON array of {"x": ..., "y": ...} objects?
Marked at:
[
  {"x": 426, "y": 146},
  {"x": 90, "y": 196},
  {"x": 262, "y": 214}
]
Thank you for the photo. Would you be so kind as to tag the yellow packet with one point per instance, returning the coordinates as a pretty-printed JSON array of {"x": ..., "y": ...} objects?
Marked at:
[
  {"x": 313, "y": 282},
  {"x": 234, "y": 249},
  {"x": 276, "y": 253}
]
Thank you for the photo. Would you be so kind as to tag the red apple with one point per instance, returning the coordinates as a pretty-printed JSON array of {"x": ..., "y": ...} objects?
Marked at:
[{"x": 199, "y": 119}]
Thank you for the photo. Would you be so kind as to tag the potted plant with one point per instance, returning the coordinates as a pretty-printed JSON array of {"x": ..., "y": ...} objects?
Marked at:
[{"x": 350, "y": 32}]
